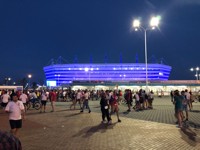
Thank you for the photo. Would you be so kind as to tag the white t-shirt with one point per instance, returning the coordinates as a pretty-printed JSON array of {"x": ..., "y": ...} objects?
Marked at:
[
  {"x": 5, "y": 98},
  {"x": 78, "y": 96},
  {"x": 14, "y": 109},
  {"x": 23, "y": 98},
  {"x": 187, "y": 95},
  {"x": 44, "y": 97},
  {"x": 33, "y": 95}
]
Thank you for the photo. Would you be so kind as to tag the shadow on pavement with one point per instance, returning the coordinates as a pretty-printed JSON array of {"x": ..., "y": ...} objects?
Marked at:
[
  {"x": 89, "y": 131},
  {"x": 75, "y": 114},
  {"x": 194, "y": 125},
  {"x": 195, "y": 111},
  {"x": 189, "y": 135}
]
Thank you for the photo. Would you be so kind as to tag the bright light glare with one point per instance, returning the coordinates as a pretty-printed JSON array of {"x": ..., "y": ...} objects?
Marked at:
[
  {"x": 86, "y": 69},
  {"x": 29, "y": 76},
  {"x": 191, "y": 69},
  {"x": 136, "y": 23},
  {"x": 197, "y": 68},
  {"x": 155, "y": 21}
]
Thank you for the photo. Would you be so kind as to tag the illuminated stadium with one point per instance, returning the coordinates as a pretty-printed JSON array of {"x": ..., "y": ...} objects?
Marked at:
[{"x": 61, "y": 74}]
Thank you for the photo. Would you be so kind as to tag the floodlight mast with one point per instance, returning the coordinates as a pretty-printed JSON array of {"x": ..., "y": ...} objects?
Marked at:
[{"x": 154, "y": 22}]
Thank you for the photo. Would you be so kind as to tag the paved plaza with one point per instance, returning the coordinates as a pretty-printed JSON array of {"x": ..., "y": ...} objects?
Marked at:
[{"x": 67, "y": 129}]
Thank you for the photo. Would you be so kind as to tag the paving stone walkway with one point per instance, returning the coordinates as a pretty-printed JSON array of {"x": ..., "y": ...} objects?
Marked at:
[{"x": 71, "y": 130}]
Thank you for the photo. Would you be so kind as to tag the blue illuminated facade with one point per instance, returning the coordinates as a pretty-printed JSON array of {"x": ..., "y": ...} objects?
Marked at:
[{"x": 60, "y": 74}]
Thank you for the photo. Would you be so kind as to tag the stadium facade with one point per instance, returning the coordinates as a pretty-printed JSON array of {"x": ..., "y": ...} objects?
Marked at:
[{"x": 62, "y": 74}]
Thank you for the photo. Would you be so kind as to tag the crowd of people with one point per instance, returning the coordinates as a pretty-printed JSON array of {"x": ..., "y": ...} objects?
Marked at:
[
  {"x": 15, "y": 103},
  {"x": 182, "y": 101},
  {"x": 114, "y": 97}
]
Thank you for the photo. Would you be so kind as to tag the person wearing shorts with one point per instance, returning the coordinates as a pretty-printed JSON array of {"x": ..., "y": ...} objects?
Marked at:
[
  {"x": 43, "y": 101},
  {"x": 178, "y": 100},
  {"x": 15, "y": 109},
  {"x": 185, "y": 106}
]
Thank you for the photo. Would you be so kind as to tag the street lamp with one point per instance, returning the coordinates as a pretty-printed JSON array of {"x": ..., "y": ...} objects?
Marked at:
[
  {"x": 154, "y": 22},
  {"x": 197, "y": 72},
  {"x": 7, "y": 80}
]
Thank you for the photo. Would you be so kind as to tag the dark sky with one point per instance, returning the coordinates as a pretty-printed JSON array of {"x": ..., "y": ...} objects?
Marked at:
[{"x": 32, "y": 32}]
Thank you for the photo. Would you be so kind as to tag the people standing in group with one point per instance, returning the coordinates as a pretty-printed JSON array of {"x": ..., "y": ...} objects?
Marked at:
[
  {"x": 141, "y": 95},
  {"x": 172, "y": 96},
  {"x": 86, "y": 102},
  {"x": 114, "y": 105},
  {"x": 120, "y": 95},
  {"x": 15, "y": 109},
  {"x": 104, "y": 102},
  {"x": 44, "y": 98},
  {"x": 24, "y": 98},
  {"x": 79, "y": 98},
  {"x": 185, "y": 106},
  {"x": 137, "y": 106},
  {"x": 189, "y": 99},
  {"x": 150, "y": 99},
  {"x": 5, "y": 99},
  {"x": 53, "y": 98},
  {"x": 178, "y": 101},
  {"x": 145, "y": 100},
  {"x": 73, "y": 98},
  {"x": 128, "y": 98}
]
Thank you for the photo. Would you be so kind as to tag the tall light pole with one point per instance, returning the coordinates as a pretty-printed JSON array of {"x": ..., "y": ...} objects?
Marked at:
[
  {"x": 154, "y": 22},
  {"x": 197, "y": 72},
  {"x": 7, "y": 80}
]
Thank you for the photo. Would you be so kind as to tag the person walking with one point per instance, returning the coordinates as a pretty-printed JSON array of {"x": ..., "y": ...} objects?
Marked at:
[
  {"x": 86, "y": 102},
  {"x": 185, "y": 106},
  {"x": 15, "y": 109},
  {"x": 74, "y": 101},
  {"x": 178, "y": 100},
  {"x": 114, "y": 105},
  {"x": 43, "y": 102},
  {"x": 128, "y": 98},
  {"x": 5, "y": 98},
  {"x": 24, "y": 98},
  {"x": 105, "y": 108}
]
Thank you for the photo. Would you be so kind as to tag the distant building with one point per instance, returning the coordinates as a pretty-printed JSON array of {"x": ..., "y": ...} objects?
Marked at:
[{"x": 62, "y": 74}]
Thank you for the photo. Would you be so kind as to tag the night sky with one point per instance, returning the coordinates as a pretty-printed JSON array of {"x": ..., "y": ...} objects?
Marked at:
[{"x": 32, "y": 32}]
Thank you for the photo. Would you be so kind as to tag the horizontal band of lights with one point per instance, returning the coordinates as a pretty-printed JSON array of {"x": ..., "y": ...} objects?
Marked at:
[{"x": 67, "y": 73}]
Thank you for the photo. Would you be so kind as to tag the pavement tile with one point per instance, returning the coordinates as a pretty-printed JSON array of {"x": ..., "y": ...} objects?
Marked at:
[{"x": 71, "y": 130}]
